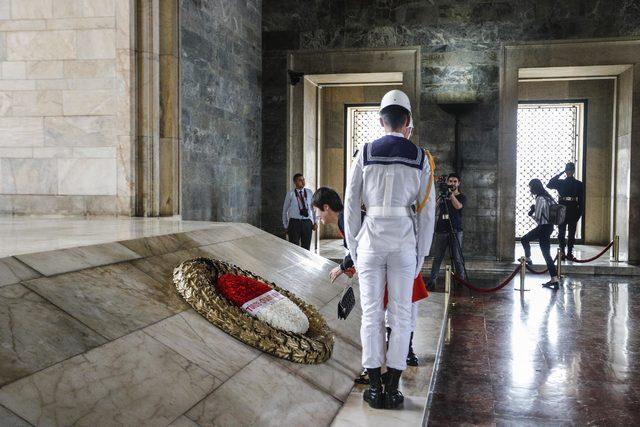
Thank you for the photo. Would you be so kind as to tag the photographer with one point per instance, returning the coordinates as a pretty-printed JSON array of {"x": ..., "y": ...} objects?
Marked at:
[{"x": 448, "y": 234}]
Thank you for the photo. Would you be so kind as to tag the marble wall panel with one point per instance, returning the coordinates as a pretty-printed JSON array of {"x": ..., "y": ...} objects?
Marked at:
[
  {"x": 89, "y": 69},
  {"x": 131, "y": 381},
  {"x": 87, "y": 176},
  {"x": 273, "y": 390},
  {"x": 84, "y": 8},
  {"x": 79, "y": 131},
  {"x": 97, "y": 44},
  {"x": 37, "y": 45},
  {"x": 113, "y": 300},
  {"x": 62, "y": 59},
  {"x": 14, "y": 70},
  {"x": 21, "y": 131},
  {"x": 31, "y": 9},
  {"x": 28, "y": 176},
  {"x": 5, "y": 10},
  {"x": 37, "y": 334},
  {"x": 220, "y": 78},
  {"x": 88, "y": 102},
  {"x": 37, "y": 103}
]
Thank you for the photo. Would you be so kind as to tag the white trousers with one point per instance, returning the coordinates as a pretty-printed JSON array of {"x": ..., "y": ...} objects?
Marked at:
[
  {"x": 396, "y": 269},
  {"x": 414, "y": 316}
]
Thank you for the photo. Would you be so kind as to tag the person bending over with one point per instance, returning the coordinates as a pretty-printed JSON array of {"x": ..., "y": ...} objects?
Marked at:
[{"x": 540, "y": 213}]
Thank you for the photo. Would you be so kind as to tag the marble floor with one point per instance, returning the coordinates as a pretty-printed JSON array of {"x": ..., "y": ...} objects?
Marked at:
[
  {"x": 568, "y": 357},
  {"x": 92, "y": 332}
]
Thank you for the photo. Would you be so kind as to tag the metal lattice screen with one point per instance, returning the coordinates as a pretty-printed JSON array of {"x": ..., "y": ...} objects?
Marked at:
[
  {"x": 549, "y": 136},
  {"x": 363, "y": 125}
]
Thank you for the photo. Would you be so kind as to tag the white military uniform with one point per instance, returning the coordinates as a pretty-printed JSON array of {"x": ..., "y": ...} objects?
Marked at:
[{"x": 388, "y": 175}]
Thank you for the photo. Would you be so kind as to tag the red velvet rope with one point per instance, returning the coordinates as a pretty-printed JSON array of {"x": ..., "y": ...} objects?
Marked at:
[
  {"x": 582, "y": 261},
  {"x": 579, "y": 261},
  {"x": 531, "y": 270},
  {"x": 475, "y": 288}
]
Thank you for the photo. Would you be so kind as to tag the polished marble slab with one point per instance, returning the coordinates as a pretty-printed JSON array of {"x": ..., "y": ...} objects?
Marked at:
[
  {"x": 9, "y": 419},
  {"x": 13, "y": 271},
  {"x": 131, "y": 300},
  {"x": 73, "y": 259},
  {"x": 134, "y": 380},
  {"x": 112, "y": 300},
  {"x": 335, "y": 376},
  {"x": 29, "y": 234},
  {"x": 264, "y": 393},
  {"x": 36, "y": 334},
  {"x": 192, "y": 336},
  {"x": 354, "y": 413}
]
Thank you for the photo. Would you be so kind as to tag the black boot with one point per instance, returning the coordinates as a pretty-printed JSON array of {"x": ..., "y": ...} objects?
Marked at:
[
  {"x": 374, "y": 394},
  {"x": 412, "y": 359},
  {"x": 392, "y": 396},
  {"x": 363, "y": 378}
]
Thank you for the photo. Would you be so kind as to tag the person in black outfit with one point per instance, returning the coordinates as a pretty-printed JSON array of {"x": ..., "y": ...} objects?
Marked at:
[
  {"x": 443, "y": 239},
  {"x": 540, "y": 213},
  {"x": 571, "y": 192}
]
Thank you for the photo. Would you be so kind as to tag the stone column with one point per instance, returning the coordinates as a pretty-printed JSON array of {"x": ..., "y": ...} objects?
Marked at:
[{"x": 157, "y": 190}]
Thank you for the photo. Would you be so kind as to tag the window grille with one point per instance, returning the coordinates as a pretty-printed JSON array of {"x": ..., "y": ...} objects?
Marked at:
[
  {"x": 363, "y": 125},
  {"x": 549, "y": 136}
]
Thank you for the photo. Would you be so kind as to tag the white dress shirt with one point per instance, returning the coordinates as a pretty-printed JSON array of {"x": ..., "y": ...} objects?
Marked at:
[{"x": 292, "y": 205}]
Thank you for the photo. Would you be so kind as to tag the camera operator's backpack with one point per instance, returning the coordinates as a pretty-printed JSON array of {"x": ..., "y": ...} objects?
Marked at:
[{"x": 557, "y": 212}]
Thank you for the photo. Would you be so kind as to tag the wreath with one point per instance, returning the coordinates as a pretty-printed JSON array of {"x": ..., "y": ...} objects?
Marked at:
[{"x": 287, "y": 327}]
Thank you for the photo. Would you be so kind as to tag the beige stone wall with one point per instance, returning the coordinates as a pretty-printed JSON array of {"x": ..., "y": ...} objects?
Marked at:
[{"x": 65, "y": 106}]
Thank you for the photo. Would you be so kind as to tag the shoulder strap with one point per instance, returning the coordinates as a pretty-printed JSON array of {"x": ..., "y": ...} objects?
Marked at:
[{"x": 432, "y": 171}]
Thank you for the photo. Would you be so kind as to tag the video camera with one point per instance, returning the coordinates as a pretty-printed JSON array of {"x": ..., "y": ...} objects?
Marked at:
[{"x": 443, "y": 188}]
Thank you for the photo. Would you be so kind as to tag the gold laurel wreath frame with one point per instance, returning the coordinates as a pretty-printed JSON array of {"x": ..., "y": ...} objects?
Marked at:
[{"x": 194, "y": 281}]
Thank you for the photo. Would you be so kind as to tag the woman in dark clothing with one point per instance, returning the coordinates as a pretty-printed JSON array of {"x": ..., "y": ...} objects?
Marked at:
[{"x": 540, "y": 213}]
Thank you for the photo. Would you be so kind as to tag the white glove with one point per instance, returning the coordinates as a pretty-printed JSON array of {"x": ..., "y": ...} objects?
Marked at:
[{"x": 419, "y": 264}]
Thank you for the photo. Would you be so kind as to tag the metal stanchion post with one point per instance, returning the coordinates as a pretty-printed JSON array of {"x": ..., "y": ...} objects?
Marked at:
[
  {"x": 616, "y": 248},
  {"x": 523, "y": 272},
  {"x": 559, "y": 263},
  {"x": 447, "y": 279}
]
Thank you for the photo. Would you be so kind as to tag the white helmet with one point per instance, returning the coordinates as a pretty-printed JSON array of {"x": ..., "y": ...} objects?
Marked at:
[{"x": 395, "y": 97}]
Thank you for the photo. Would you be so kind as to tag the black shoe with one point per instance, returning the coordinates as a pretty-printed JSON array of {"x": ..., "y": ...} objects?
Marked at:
[
  {"x": 412, "y": 359},
  {"x": 570, "y": 257},
  {"x": 363, "y": 378},
  {"x": 551, "y": 284},
  {"x": 528, "y": 262},
  {"x": 374, "y": 395},
  {"x": 393, "y": 398}
]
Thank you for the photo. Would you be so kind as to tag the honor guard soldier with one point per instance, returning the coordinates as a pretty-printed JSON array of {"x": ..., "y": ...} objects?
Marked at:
[
  {"x": 389, "y": 176},
  {"x": 571, "y": 193}
]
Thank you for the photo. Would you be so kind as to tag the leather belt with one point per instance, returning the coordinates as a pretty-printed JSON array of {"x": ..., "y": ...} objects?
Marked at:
[
  {"x": 569, "y": 199},
  {"x": 388, "y": 211}
]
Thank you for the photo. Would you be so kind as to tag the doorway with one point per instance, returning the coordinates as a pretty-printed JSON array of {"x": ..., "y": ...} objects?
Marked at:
[
  {"x": 550, "y": 135},
  {"x": 327, "y": 81}
]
